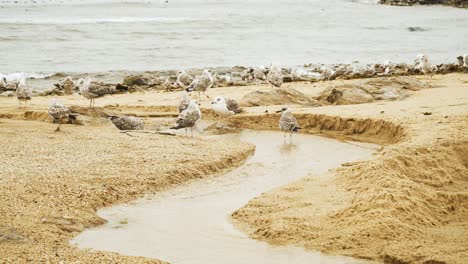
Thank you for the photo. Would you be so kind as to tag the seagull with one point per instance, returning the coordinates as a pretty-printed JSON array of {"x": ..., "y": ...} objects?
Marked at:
[
  {"x": 465, "y": 60},
  {"x": 91, "y": 90},
  {"x": 23, "y": 93},
  {"x": 259, "y": 73},
  {"x": 3, "y": 82},
  {"x": 202, "y": 83},
  {"x": 59, "y": 113},
  {"x": 189, "y": 117},
  {"x": 68, "y": 85},
  {"x": 327, "y": 73},
  {"x": 225, "y": 106},
  {"x": 275, "y": 76},
  {"x": 288, "y": 122},
  {"x": 422, "y": 63},
  {"x": 184, "y": 102},
  {"x": 389, "y": 67},
  {"x": 183, "y": 79},
  {"x": 127, "y": 122}
]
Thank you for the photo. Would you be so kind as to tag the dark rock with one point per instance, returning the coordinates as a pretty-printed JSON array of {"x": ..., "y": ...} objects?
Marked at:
[{"x": 134, "y": 80}]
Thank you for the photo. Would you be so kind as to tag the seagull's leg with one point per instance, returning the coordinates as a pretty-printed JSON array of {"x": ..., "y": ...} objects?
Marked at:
[
  {"x": 58, "y": 128},
  {"x": 290, "y": 137},
  {"x": 90, "y": 100},
  {"x": 186, "y": 133},
  {"x": 191, "y": 130},
  {"x": 284, "y": 137}
]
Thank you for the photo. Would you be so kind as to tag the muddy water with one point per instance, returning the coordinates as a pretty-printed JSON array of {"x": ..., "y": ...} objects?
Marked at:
[{"x": 191, "y": 223}]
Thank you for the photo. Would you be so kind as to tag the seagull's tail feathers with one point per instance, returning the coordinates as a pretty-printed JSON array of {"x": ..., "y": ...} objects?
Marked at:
[
  {"x": 176, "y": 127},
  {"x": 296, "y": 129}
]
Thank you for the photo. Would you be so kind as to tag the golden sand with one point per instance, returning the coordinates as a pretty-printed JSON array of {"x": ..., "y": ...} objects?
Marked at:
[{"x": 408, "y": 204}]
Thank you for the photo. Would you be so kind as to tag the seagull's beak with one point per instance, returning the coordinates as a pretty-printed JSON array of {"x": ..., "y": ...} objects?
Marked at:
[{"x": 212, "y": 102}]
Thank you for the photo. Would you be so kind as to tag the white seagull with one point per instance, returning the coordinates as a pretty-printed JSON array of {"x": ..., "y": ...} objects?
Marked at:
[
  {"x": 59, "y": 113},
  {"x": 202, "y": 83},
  {"x": 189, "y": 117},
  {"x": 465, "y": 60},
  {"x": 288, "y": 123},
  {"x": 225, "y": 106},
  {"x": 275, "y": 76},
  {"x": 423, "y": 65}
]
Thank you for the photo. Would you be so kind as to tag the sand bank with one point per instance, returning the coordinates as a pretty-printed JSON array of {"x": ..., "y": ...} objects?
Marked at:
[{"x": 407, "y": 204}]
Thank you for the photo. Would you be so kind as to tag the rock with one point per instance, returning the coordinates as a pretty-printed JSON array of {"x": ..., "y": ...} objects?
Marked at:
[
  {"x": 395, "y": 88},
  {"x": 345, "y": 94},
  {"x": 8, "y": 94},
  {"x": 278, "y": 97},
  {"x": 134, "y": 80},
  {"x": 121, "y": 88},
  {"x": 413, "y": 29},
  {"x": 10, "y": 235},
  {"x": 53, "y": 91}
]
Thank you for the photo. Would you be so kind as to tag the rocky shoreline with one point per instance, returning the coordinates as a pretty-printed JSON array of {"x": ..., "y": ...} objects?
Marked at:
[
  {"x": 455, "y": 3},
  {"x": 129, "y": 82}
]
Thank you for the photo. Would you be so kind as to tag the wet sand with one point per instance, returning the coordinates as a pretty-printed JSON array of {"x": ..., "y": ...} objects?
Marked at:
[
  {"x": 406, "y": 204},
  {"x": 158, "y": 226}
]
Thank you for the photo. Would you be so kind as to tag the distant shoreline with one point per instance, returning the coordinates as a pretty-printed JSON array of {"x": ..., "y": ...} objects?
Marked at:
[{"x": 454, "y": 3}]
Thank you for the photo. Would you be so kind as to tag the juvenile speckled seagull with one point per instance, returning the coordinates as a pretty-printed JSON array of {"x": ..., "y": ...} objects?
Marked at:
[
  {"x": 189, "y": 117},
  {"x": 275, "y": 76},
  {"x": 127, "y": 122},
  {"x": 91, "y": 91},
  {"x": 225, "y": 106},
  {"x": 287, "y": 123},
  {"x": 184, "y": 101},
  {"x": 23, "y": 93},
  {"x": 183, "y": 79},
  {"x": 202, "y": 83},
  {"x": 59, "y": 113}
]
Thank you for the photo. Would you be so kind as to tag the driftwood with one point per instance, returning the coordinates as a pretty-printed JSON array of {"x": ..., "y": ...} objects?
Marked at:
[{"x": 126, "y": 132}]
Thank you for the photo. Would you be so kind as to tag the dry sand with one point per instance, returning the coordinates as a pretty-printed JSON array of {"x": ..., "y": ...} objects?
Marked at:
[{"x": 408, "y": 204}]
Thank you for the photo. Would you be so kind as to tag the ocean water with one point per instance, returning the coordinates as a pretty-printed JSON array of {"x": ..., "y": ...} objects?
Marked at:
[{"x": 48, "y": 36}]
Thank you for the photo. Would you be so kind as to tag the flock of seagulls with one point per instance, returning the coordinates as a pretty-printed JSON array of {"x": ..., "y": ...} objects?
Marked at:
[{"x": 189, "y": 111}]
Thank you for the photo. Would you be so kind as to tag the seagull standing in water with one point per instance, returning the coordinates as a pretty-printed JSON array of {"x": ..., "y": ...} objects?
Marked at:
[
  {"x": 189, "y": 117},
  {"x": 183, "y": 79},
  {"x": 275, "y": 76},
  {"x": 225, "y": 106},
  {"x": 288, "y": 123},
  {"x": 23, "y": 93},
  {"x": 59, "y": 113},
  {"x": 202, "y": 83}
]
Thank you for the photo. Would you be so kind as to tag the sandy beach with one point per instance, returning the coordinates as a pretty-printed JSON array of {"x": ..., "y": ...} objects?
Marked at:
[{"x": 408, "y": 204}]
